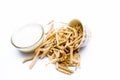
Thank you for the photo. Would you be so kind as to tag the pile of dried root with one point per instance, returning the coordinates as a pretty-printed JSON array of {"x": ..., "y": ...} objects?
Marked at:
[{"x": 61, "y": 46}]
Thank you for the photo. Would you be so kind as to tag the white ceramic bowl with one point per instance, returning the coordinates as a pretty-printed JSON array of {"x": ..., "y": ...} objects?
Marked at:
[{"x": 86, "y": 33}]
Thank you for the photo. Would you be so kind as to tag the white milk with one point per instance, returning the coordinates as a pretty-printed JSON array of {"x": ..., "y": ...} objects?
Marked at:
[{"x": 28, "y": 37}]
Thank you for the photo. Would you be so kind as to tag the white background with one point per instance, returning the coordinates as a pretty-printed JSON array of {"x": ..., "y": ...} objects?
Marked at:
[{"x": 99, "y": 60}]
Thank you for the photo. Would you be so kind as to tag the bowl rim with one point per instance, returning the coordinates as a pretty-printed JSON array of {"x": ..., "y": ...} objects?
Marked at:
[{"x": 27, "y": 25}]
